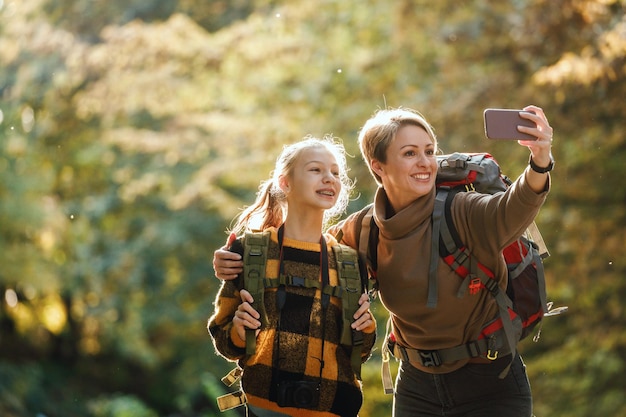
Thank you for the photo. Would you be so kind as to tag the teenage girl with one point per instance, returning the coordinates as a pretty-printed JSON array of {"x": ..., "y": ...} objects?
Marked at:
[{"x": 299, "y": 366}]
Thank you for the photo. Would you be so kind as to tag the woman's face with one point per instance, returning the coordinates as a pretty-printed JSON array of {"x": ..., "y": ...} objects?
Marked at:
[{"x": 411, "y": 167}]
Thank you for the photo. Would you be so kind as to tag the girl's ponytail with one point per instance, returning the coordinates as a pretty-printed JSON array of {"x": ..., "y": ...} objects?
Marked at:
[{"x": 269, "y": 210}]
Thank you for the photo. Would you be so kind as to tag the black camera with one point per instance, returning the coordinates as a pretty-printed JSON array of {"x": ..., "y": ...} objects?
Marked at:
[{"x": 298, "y": 394}]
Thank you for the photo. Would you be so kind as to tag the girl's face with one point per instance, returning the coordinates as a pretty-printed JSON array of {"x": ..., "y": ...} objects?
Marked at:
[
  {"x": 314, "y": 181},
  {"x": 411, "y": 167}
]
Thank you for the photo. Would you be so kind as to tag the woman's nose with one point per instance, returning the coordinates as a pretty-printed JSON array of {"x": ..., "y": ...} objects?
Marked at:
[{"x": 421, "y": 159}]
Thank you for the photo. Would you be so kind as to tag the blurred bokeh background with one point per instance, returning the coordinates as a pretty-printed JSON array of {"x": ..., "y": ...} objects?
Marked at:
[{"x": 133, "y": 131}]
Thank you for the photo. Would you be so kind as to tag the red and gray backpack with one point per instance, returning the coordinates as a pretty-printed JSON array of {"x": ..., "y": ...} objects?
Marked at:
[{"x": 521, "y": 307}]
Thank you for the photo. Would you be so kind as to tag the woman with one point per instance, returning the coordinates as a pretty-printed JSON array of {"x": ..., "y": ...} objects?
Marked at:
[
  {"x": 399, "y": 147},
  {"x": 299, "y": 366}
]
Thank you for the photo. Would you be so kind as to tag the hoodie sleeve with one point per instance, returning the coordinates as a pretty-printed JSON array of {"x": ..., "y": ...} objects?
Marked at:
[{"x": 491, "y": 222}]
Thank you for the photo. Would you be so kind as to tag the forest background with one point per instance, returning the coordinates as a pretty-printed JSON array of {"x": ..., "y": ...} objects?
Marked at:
[{"x": 132, "y": 132}]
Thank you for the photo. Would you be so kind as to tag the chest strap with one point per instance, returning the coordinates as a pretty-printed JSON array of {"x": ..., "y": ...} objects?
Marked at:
[{"x": 294, "y": 281}]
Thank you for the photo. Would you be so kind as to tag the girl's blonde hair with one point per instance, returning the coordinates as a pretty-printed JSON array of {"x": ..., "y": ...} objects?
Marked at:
[
  {"x": 378, "y": 132},
  {"x": 270, "y": 207}
]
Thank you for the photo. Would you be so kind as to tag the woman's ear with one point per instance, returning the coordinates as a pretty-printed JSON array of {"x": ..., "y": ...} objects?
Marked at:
[{"x": 376, "y": 167}]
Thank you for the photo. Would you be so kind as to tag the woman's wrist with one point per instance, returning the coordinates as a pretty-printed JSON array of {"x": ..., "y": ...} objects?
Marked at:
[{"x": 542, "y": 166}]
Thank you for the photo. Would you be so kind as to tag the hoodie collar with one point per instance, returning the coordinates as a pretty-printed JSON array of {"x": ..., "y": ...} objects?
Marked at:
[{"x": 417, "y": 214}]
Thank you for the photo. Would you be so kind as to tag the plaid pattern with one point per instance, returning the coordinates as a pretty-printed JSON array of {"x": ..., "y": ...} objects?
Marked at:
[{"x": 303, "y": 324}]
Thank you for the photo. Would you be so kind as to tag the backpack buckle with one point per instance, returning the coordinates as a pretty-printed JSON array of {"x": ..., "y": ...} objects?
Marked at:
[
  {"x": 474, "y": 286},
  {"x": 233, "y": 376},
  {"x": 297, "y": 281},
  {"x": 231, "y": 400},
  {"x": 492, "y": 352},
  {"x": 430, "y": 358}
]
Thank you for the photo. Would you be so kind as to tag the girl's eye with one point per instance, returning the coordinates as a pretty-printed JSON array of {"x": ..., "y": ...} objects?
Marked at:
[{"x": 409, "y": 153}]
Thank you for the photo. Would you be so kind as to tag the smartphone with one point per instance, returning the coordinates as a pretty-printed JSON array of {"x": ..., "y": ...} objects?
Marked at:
[{"x": 501, "y": 124}]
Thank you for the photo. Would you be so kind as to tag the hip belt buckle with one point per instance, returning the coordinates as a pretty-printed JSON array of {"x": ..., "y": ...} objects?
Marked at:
[{"x": 430, "y": 358}]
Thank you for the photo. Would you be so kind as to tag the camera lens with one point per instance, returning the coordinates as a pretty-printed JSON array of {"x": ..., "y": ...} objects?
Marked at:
[
  {"x": 304, "y": 396},
  {"x": 300, "y": 394}
]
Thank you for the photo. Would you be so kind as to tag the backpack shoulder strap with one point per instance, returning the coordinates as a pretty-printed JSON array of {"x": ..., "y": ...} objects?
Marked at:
[
  {"x": 362, "y": 230},
  {"x": 461, "y": 261},
  {"x": 439, "y": 221},
  {"x": 352, "y": 283},
  {"x": 367, "y": 232},
  {"x": 366, "y": 235},
  {"x": 452, "y": 249},
  {"x": 254, "y": 260},
  {"x": 450, "y": 239}
]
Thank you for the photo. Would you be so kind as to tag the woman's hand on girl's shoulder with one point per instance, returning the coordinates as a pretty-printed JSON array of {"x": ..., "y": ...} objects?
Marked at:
[{"x": 227, "y": 265}]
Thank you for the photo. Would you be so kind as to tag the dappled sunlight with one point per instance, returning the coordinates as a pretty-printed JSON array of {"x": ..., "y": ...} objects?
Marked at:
[
  {"x": 10, "y": 297},
  {"x": 592, "y": 64},
  {"x": 53, "y": 314},
  {"x": 89, "y": 342},
  {"x": 24, "y": 318},
  {"x": 47, "y": 311}
]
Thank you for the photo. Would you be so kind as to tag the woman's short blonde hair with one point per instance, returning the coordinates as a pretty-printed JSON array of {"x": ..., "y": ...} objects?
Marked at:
[{"x": 380, "y": 130}]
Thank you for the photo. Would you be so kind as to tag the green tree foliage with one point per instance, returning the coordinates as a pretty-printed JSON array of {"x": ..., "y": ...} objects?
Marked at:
[{"x": 131, "y": 132}]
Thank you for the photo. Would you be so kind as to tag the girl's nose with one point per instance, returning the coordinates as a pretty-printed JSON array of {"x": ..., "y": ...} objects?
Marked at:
[{"x": 329, "y": 177}]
